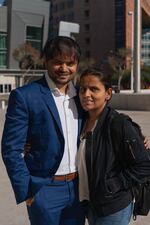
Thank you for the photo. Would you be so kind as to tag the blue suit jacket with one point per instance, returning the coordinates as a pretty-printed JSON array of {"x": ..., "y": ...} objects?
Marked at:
[{"x": 32, "y": 117}]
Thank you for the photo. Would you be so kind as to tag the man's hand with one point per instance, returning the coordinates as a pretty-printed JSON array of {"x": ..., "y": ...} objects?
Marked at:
[
  {"x": 27, "y": 148},
  {"x": 29, "y": 201},
  {"x": 146, "y": 143}
]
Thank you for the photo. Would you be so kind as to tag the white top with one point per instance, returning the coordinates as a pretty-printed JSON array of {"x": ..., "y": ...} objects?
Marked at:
[
  {"x": 82, "y": 171},
  {"x": 69, "y": 121}
]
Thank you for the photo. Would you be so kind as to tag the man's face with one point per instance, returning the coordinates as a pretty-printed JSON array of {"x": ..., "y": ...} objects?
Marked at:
[{"x": 61, "y": 69}]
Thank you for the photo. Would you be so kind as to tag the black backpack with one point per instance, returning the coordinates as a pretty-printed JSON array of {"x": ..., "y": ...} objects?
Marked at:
[{"x": 141, "y": 192}]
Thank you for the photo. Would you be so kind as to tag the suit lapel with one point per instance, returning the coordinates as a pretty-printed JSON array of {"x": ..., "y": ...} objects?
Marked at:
[
  {"x": 49, "y": 101},
  {"x": 80, "y": 116}
]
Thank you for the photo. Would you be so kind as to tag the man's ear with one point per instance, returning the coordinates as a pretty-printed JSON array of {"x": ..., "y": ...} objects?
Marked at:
[
  {"x": 109, "y": 94},
  {"x": 45, "y": 62}
]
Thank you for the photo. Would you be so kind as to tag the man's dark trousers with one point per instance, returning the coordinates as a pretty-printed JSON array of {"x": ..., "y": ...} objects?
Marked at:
[{"x": 57, "y": 203}]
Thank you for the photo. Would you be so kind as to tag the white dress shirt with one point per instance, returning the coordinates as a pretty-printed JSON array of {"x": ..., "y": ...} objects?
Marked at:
[{"x": 69, "y": 121}]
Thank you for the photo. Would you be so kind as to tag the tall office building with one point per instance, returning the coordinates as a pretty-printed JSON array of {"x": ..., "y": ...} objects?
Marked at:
[
  {"x": 20, "y": 22},
  {"x": 104, "y": 25},
  {"x": 96, "y": 19},
  {"x": 145, "y": 43}
]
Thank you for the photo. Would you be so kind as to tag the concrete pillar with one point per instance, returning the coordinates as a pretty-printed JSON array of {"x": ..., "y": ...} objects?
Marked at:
[
  {"x": 3, "y": 104},
  {"x": 137, "y": 47}
]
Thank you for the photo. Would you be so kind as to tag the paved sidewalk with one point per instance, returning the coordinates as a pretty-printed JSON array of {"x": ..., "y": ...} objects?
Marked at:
[{"x": 11, "y": 214}]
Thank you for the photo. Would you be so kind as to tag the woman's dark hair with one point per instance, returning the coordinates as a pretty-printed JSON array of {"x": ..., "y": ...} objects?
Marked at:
[
  {"x": 61, "y": 46},
  {"x": 103, "y": 77}
]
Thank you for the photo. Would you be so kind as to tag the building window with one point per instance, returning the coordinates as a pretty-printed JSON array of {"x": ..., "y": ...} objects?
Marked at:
[
  {"x": 87, "y": 14},
  {"x": 62, "y": 5},
  {"x": 54, "y": 8},
  {"x": 62, "y": 17},
  {"x": 70, "y": 16},
  {"x": 87, "y": 27},
  {"x": 3, "y": 50},
  {"x": 55, "y": 32},
  {"x": 34, "y": 36},
  {"x": 119, "y": 2},
  {"x": 1, "y": 88},
  {"x": 5, "y": 88},
  {"x": 3, "y": 39},
  {"x": 3, "y": 60},
  {"x": 56, "y": 21},
  {"x": 87, "y": 41},
  {"x": 87, "y": 54},
  {"x": 70, "y": 3},
  {"x": 119, "y": 24},
  {"x": 145, "y": 46}
]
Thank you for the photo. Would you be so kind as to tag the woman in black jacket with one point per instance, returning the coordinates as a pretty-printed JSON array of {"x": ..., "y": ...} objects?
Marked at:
[{"x": 111, "y": 158}]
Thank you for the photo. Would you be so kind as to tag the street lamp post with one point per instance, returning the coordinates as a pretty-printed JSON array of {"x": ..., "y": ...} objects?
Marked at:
[
  {"x": 137, "y": 46},
  {"x": 131, "y": 13}
]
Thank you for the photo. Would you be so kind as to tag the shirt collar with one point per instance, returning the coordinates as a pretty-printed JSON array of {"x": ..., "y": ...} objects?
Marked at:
[{"x": 71, "y": 92}]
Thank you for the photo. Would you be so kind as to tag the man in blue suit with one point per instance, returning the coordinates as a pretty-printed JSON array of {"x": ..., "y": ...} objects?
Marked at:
[{"x": 46, "y": 114}]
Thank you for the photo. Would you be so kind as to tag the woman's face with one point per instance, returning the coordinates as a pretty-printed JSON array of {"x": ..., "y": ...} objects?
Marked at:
[{"x": 93, "y": 95}]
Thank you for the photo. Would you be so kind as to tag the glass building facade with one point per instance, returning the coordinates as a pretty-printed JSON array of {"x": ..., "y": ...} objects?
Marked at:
[
  {"x": 145, "y": 48},
  {"x": 34, "y": 36},
  {"x": 120, "y": 27},
  {"x": 3, "y": 50}
]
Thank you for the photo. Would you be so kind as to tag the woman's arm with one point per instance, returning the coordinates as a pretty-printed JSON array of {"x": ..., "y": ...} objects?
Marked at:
[{"x": 132, "y": 155}]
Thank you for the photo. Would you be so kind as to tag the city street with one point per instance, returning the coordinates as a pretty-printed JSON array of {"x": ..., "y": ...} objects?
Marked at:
[{"x": 11, "y": 214}]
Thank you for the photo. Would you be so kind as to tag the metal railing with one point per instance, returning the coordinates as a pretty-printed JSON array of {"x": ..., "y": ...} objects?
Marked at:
[{"x": 21, "y": 77}]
